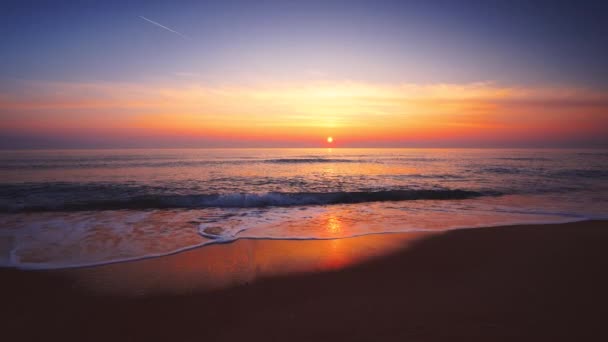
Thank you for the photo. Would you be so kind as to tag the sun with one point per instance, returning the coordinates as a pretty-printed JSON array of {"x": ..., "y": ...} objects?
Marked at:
[{"x": 330, "y": 139}]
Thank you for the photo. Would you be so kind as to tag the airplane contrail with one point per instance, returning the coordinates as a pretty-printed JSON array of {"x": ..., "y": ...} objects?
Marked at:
[{"x": 163, "y": 26}]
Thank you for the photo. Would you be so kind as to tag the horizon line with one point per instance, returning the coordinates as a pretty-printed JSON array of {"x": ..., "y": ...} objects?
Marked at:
[{"x": 309, "y": 147}]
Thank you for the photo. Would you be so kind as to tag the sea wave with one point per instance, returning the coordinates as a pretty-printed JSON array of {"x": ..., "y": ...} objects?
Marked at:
[
  {"x": 235, "y": 200},
  {"x": 523, "y": 158},
  {"x": 143, "y": 163},
  {"x": 308, "y": 160},
  {"x": 584, "y": 173}
]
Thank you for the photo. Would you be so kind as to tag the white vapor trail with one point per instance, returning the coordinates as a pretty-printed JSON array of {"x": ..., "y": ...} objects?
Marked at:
[{"x": 163, "y": 26}]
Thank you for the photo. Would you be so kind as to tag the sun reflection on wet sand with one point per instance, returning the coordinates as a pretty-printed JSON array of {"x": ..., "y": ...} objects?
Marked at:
[{"x": 241, "y": 262}]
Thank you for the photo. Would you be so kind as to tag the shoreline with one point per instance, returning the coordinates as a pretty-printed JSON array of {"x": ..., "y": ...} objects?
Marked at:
[
  {"x": 51, "y": 267},
  {"x": 530, "y": 282}
]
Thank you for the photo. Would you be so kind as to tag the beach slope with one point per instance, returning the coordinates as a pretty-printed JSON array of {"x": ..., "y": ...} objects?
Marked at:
[{"x": 538, "y": 282}]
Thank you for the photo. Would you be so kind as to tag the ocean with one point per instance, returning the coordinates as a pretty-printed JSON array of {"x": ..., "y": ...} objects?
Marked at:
[{"x": 72, "y": 208}]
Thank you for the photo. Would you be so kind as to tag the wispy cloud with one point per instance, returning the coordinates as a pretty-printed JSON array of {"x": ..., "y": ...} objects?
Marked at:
[{"x": 164, "y": 27}]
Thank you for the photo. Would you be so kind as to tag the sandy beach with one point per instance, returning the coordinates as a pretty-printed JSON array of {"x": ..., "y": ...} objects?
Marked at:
[{"x": 540, "y": 282}]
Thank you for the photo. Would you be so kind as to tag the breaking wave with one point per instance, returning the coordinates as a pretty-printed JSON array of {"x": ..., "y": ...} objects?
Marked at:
[{"x": 236, "y": 200}]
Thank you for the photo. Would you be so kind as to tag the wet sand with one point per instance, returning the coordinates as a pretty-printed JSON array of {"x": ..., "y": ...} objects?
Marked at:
[{"x": 540, "y": 282}]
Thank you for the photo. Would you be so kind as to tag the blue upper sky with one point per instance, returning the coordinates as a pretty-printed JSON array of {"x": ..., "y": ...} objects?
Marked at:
[{"x": 510, "y": 42}]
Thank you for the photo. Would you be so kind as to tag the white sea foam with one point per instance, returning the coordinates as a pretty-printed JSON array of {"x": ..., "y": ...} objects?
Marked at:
[{"x": 75, "y": 239}]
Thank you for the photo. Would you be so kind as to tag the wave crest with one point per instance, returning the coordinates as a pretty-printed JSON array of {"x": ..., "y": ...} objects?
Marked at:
[{"x": 244, "y": 200}]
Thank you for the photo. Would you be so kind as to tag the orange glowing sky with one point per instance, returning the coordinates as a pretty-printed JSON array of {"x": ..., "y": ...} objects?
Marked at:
[{"x": 306, "y": 113}]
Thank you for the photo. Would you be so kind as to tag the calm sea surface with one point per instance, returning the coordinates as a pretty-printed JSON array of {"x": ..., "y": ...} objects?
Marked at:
[{"x": 68, "y": 208}]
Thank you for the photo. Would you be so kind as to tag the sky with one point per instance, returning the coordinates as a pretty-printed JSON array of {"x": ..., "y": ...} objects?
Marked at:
[{"x": 77, "y": 74}]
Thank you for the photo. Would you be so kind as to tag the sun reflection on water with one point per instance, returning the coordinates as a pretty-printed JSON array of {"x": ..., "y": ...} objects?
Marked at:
[{"x": 333, "y": 225}]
